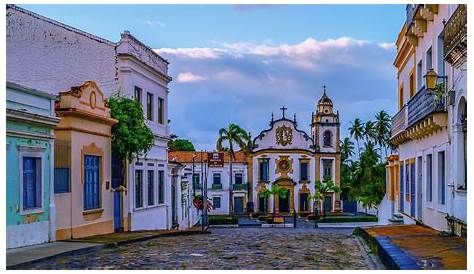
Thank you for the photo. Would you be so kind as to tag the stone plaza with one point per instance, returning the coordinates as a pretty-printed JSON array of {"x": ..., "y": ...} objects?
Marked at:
[{"x": 229, "y": 248}]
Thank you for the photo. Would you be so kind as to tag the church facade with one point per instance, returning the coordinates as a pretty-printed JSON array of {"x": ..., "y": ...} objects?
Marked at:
[{"x": 290, "y": 158}]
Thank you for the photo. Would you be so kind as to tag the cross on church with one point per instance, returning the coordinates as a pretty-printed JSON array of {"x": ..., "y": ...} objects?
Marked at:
[{"x": 283, "y": 110}]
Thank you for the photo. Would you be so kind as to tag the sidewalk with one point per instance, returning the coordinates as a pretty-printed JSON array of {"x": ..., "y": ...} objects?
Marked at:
[
  {"x": 415, "y": 247},
  {"x": 18, "y": 256}
]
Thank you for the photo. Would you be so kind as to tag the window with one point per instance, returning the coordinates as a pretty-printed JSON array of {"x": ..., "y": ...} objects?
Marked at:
[
  {"x": 327, "y": 138},
  {"x": 138, "y": 94},
  {"x": 138, "y": 188},
  {"x": 161, "y": 110},
  {"x": 149, "y": 106},
  {"x": 303, "y": 171},
  {"x": 32, "y": 197},
  {"x": 429, "y": 59},
  {"x": 263, "y": 170},
  {"x": 91, "y": 182},
  {"x": 441, "y": 178},
  {"x": 216, "y": 202},
  {"x": 400, "y": 98},
  {"x": 419, "y": 75},
  {"x": 412, "y": 84},
  {"x": 161, "y": 187},
  {"x": 196, "y": 181},
  {"x": 327, "y": 167},
  {"x": 440, "y": 56},
  {"x": 407, "y": 179},
  {"x": 151, "y": 187},
  {"x": 238, "y": 178},
  {"x": 429, "y": 177},
  {"x": 216, "y": 178},
  {"x": 61, "y": 180}
]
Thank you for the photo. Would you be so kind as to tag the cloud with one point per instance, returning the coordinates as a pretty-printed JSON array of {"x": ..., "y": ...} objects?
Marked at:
[
  {"x": 188, "y": 77},
  {"x": 155, "y": 23},
  {"x": 246, "y": 82}
]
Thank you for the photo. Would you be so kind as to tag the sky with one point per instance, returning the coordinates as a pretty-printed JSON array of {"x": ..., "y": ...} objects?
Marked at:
[{"x": 239, "y": 63}]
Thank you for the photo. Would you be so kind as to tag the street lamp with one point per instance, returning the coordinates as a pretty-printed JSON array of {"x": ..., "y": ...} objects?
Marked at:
[{"x": 431, "y": 79}]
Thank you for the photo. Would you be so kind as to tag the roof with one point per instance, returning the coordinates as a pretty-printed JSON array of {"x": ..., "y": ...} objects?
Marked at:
[
  {"x": 187, "y": 156},
  {"x": 324, "y": 98}
]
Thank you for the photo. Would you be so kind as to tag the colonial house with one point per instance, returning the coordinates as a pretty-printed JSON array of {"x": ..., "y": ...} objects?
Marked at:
[
  {"x": 30, "y": 208},
  {"x": 216, "y": 179},
  {"x": 426, "y": 179},
  {"x": 66, "y": 57},
  {"x": 84, "y": 197}
]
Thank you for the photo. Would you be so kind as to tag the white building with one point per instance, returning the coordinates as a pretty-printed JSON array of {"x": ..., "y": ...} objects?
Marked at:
[
  {"x": 218, "y": 180},
  {"x": 426, "y": 179},
  {"x": 47, "y": 55}
]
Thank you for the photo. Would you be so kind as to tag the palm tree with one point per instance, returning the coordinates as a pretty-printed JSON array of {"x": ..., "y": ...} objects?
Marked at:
[
  {"x": 369, "y": 131},
  {"x": 321, "y": 189},
  {"x": 357, "y": 132},
  {"x": 230, "y": 137},
  {"x": 382, "y": 130},
  {"x": 274, "y": 191},
  {"x": 347, "y": 148}
]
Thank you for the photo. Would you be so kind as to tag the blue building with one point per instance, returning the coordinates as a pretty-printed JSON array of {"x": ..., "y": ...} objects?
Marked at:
[{"x": 30, "y": 216}]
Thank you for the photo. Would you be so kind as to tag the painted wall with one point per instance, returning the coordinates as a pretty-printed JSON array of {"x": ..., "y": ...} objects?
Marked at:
[{"x": 28, "y": 227}]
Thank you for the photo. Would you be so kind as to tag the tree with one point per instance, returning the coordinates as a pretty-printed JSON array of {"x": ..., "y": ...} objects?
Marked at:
[
  {"x": 321, "y": 189},
  {"x": 347, "y": 149},
  {"x": 130, "y": 136},
  {"x": 382, "y": 128},
  {"x": 274, "y": 191},
  {"x": 230, "y": 137},
  {"x": 369, "y": 131},
  {"x": 357, "y": 132},
  {"x": 180, "y": 145}
]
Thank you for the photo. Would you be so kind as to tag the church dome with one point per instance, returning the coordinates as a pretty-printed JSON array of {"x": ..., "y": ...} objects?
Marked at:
[{"x": 325, "y": 100}]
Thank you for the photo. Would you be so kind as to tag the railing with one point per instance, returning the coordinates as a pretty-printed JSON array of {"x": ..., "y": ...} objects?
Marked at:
[
  {"x": 423, "y": 104},
  {"x": 239, "y": 186},
  {"x": 399, "y": 121},
  {"x": 216, "y": 186},
  {"x": 411, "y": 11},
  {"x": 455, "y": 37}
]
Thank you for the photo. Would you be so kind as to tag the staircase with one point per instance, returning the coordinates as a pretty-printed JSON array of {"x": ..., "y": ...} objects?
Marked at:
[{"x": 397, "y": 218}]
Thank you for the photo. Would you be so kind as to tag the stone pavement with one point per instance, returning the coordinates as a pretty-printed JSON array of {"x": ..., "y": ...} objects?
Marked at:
[
  {"x": 425, "y": 246},
  {"x": 239, "y": 248}
]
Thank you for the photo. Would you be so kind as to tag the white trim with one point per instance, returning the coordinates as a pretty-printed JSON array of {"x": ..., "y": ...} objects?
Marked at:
[{"x": 37, "y": 152}]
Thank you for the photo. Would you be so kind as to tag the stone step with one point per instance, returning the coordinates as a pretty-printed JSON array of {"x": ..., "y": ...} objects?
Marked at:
[
  {"x": 398, "y": 216},
  {"x": 395, "y": 220}
]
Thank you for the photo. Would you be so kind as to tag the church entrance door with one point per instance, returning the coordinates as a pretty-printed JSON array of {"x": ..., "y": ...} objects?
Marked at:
[{"x": 284, "y": 204}]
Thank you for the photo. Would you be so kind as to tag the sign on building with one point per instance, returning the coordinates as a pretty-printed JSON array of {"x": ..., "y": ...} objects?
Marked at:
[{"x": 215, "y": 159}]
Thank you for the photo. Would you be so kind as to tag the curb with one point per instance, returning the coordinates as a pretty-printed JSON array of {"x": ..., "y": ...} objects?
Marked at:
[
  {"x": 100, "y": 246},
  {"x": 391, "y": 256}
]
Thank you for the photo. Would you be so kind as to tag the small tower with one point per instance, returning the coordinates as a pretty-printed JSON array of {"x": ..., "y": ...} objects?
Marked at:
[{"x": 325, "y": 125}]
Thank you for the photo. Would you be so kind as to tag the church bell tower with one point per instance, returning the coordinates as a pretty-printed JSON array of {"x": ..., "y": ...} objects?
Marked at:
[{"x": 325, "y": 125}]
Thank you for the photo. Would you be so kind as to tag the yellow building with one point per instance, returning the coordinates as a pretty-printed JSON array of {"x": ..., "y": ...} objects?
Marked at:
[{"x": 84, "y": 197}]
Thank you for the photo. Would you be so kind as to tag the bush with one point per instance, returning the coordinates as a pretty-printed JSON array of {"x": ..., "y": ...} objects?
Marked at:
[
  {"x": 223, "y": 220},
  {"x": 348, "y": 219}
]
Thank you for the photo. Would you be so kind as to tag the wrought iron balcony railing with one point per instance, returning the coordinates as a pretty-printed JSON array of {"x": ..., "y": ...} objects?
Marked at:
[
  {"x": 455, "y": 37},
  {"x": 239, "y": 186},
  {"x": 424, "y": 103},
  {"x": 399, "y": 121}
]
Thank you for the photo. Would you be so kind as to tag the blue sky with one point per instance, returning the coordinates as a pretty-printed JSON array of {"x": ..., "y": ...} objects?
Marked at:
[{"x": 238, "y": 63}]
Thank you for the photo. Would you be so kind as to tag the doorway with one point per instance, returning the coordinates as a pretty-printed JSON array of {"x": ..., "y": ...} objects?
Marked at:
[
  {"x": 284, "y": 204},
  {"x": 238, "y": 205},
  {"x": 419, "y": 185}
]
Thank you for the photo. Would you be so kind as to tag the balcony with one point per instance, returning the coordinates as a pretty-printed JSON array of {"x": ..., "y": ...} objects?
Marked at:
[
  {"x": 399, "y": 121},
  {"x": 416, "y": 22},
  {"x": 455, "y": 37},
  {"x": 240, "y": 187},
  {"x": 423, "y": 104},
  {"x": 216, "y": 186}
]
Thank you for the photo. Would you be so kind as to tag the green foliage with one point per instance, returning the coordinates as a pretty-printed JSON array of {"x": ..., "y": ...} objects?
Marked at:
[
  {"x": 274, "y": 191},
  {"x": 357, "y": 132},
  {"x": 230, "y": 137},
  {"x": 223, "y": 220},
  {"x": 321, "y": 189},
  {"x": 180, "y": 145},
  {"x": 130, "y": 136},
  {"x": 347, "y": 149}
]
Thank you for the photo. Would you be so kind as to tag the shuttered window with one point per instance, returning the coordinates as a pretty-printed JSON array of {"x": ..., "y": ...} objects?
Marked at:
[
  {"x": 138, "y": 188},
  {"x": 91, "y": 182},
  {"x": 151, "y": 187},
  {"x": 161, "y": 187},
  {"x": 303, "y": 171},
  {"x": 31, "y": 182}
]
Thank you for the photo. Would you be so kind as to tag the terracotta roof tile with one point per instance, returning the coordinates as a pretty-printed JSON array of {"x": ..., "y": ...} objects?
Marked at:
[{"x": 187, "y": 156}]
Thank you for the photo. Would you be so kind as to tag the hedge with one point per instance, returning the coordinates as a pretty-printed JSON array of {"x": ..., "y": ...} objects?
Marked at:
[{"x": 223, "y": 220}]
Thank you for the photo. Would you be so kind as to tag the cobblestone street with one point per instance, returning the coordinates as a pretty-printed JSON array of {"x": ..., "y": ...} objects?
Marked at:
[{"x": 241, "y": 248}]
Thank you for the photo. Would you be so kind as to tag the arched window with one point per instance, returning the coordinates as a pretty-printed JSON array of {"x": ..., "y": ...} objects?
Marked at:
[
  {"x": 462, "y": 148},
  {"x": 327, "y": 138}
]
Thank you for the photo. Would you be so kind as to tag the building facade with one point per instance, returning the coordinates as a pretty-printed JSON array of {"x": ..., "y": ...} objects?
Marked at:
[
  {"x": 83, "y": 193},
  {"x": 426, "y": 178},
  {"x": 65, "y": 57},
  {"x": 31, "y": 211}
]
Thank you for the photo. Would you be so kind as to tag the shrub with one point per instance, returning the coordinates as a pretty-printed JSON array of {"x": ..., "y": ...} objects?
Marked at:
[{"x": 223, "y": 220}]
